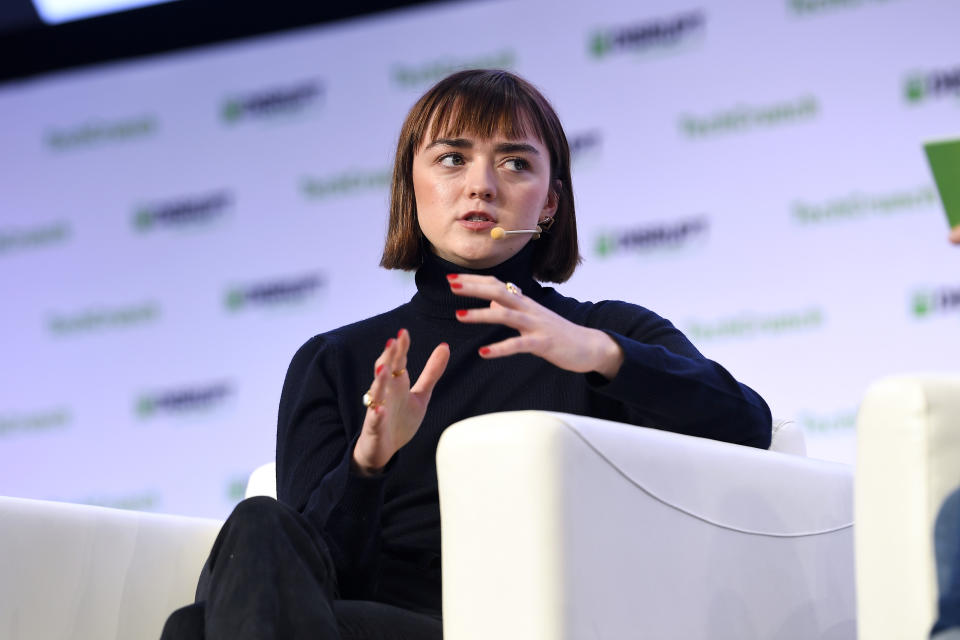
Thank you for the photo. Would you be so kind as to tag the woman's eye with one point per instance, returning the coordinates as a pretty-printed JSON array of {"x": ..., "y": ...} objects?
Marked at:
[
  {"x": 517, "y": 164},
  {"x": 451, "y": 160}
]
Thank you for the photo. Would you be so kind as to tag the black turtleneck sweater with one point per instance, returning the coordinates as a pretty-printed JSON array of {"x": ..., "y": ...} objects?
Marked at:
[{"x": 384, "y": 532}]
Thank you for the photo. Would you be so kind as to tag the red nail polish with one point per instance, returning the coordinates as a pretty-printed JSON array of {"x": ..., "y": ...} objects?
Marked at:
[
  {"x": 451, "y": 276},
  {"x": 456, "y": 285},
  {"x": 461, "y": 313},
  {"x": 444, "y": 344},
  {"x": 399, "y": 332},
  {"x": 389, "y": 342},
  {"x": 379, "y": 369},
  {"x": 484, "y": 350}
]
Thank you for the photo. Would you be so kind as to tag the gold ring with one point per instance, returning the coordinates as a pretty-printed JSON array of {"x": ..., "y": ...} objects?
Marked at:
[
  {"x": 369, "y": 402},
  {"x": 396, "y": 373},
  {"x": 514, "y": 289}
]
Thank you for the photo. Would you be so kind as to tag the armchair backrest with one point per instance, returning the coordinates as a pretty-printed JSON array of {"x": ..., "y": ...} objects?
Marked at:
[
  {"x": 908, "y": 462},
  {"x": 263, "y": 481},
  {"x": 787, "y": 438}
]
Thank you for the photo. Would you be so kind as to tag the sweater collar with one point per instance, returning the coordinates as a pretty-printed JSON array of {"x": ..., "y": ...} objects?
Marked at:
[{"x": 434, "y": 296}]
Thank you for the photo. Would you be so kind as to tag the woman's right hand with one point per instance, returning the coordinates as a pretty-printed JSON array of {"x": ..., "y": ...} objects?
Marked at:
[{"x": 397, "y": 409}]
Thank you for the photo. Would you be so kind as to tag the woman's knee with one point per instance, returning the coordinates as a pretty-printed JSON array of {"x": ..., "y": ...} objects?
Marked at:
[
  {"x": 263, "y": 511},
  {"x": 262, "y": 518}
]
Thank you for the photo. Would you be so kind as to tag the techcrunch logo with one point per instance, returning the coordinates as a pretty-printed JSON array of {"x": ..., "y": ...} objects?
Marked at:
[
  {"x": 276, "y": 101},
  {"x": 670, "y": 235},
  {"x": 430, "y": 72},
  {"x": 183, "y": 211},
  {"x": 843, "y": 420},
  {"x": 274, "y": 292},
  {"x": 808, "y": 7},
  {"x": 184, "y": 400},
  {"x": 933, "y": 84},
  {"x": 754, "y": 325},
  {"x": 928, "y": 302},
  {"x": 660, "y": 33},
  {"x": 144, "y": 501},
  {"x": 34, "y": 237},
  {"x": 345, "y": 183},
  {"x": 859, "y": 205},
  {"x": 743, "y": 118},
  {"x": 101, "y": 319},
  {"x": 45, "y": 420},
  {"x": 92, "y": 133}
]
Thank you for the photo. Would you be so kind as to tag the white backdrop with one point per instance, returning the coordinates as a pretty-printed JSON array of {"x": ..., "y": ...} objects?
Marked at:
[{"x": 172, "y": 229}]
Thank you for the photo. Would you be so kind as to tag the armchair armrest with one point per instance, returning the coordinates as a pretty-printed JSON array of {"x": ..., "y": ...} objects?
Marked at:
[
  {"x": 558, "y": 526},
  {"x": 91, "y": 573}
]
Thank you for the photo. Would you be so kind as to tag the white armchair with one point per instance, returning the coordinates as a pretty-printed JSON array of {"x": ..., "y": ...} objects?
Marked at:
[
  {"x": 562, "y": 526},
  {"x": 78, "y": 572},
  {"x": 558, "y": 526},
  {"x": 908, "y": 461}
]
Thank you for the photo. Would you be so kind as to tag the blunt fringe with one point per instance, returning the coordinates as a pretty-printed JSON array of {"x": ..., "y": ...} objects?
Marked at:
[{"x": 482, "y": 103}]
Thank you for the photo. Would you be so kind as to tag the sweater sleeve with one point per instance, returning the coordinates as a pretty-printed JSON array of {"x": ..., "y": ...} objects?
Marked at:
[
  {"x": 315, "y": 440},
  {"x": 665, "y": 379}
]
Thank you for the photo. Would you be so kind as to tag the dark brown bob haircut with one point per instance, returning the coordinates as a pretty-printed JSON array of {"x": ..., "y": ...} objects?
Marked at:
[{"x": 482, "y": 103}]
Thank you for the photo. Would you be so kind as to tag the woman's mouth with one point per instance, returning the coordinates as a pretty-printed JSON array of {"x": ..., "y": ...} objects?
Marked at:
[{"x": 478, "y": 221}]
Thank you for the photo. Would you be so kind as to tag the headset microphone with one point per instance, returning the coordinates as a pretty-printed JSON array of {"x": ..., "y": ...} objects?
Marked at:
[{"x": 499, "y": 232}]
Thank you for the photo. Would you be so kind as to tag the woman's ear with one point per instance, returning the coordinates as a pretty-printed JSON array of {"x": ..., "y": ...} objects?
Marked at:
[{"x": 553, "y": 199}]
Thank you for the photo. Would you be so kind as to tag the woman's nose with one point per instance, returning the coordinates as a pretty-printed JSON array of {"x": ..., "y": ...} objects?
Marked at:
[{"x": 482, "y": 182}]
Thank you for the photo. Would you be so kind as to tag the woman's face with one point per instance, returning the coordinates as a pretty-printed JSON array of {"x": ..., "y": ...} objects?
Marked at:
[{"x": 465, "y": 186}]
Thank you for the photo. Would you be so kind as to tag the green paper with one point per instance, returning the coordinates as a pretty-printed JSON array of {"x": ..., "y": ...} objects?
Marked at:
[{"x": 944, "y": 158}]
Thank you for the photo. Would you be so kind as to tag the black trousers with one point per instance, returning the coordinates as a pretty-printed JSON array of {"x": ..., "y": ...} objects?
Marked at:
[{"x": 269, "y": 576}]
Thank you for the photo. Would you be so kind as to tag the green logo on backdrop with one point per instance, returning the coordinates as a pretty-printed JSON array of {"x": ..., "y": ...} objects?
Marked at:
[
  {"x": 927, "y": 85},
  {"x": 35, "y": 421},
  {"x": 415, "y": 76},
  {"x": 102, "y": 319},
  {"x": 143, "y": 219},
  {"x": 923, "y": 303},
  {"x": 668, "y": 235},
  {"x": 275, "y": 292},
  {"x": 182, "y": 212},
  {"x": 345, "y": 183},
  {"x": 183, "y": 400},
  {"x": 605, "y": 244},
  {"x": 864, "y": 205},
  {"x": 231, "y": 110},
  {"x": 235, "y": 299},
  {"x": 743, "y": 118},
  {"x": 98, "y": 132},
  {"x": 34, "y": 237},
  {"x": 651, "y": 35},
  {"x": 236, "y": 488},
  {"x": 916, "y": 88},
  {"x": 273, "y": 102},
  {"x": 929, "y": 302},
  {"x": 600, "y": 44},
  {"x": 755, "y": 325}
]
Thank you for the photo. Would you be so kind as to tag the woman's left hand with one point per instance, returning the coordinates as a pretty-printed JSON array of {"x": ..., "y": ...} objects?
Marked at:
[{"x": 543, "y": 333}]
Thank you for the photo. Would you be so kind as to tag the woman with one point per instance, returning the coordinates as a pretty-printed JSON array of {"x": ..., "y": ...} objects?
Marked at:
[{"x": 353, "y": 545}]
